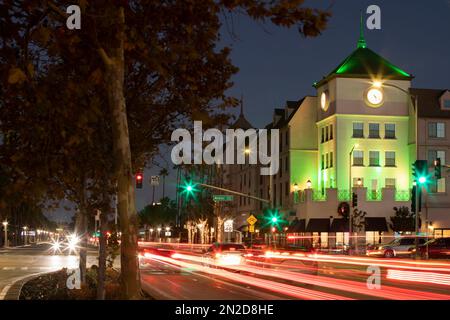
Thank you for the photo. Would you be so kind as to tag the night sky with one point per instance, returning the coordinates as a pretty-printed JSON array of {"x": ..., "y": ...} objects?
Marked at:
[{"x": 277, "y": 64}]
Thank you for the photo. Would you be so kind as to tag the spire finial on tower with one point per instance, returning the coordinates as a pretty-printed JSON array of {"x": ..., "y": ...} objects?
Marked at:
[{"x": 361, "y": 41}]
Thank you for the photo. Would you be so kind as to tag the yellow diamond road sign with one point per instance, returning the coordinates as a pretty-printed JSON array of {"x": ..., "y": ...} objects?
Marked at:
[{"x": 251, "y": 220}]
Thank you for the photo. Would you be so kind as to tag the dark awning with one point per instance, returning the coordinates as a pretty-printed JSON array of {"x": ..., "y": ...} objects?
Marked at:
[
  {"x": 375, "y": 224},
  {"x": 297, "y": 226},
  {"x": 339, "y": 225},
  {"x": 318, "y": 225}
]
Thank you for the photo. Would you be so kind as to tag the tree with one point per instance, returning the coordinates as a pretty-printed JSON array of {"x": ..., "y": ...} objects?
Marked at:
[
  {"x": 155, "y": 64},
  {"x": 403, "y": 220},
  {"x": 164, "y": 173},
  {"x": 157, "y": 215}
]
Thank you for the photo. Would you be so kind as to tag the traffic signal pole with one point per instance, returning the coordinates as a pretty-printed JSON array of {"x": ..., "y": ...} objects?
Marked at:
[{"x": 416, "y": 240}]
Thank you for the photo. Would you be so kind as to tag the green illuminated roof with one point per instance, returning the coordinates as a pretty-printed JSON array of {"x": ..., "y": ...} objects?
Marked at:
[{"x": 365, "y": 63}]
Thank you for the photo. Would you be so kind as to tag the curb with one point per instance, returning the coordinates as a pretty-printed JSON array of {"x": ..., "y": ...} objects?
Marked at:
[{"x": 12, "y": 291}]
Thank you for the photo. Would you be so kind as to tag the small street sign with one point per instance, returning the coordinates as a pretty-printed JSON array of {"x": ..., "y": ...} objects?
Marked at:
[
  {"x": 228, "y": 226},
  {"x": 251, "y": 228},
  {"x": 222, "y": 197},
  {"x": 154, "y": 181},
  {"x": 251, "y": 220}
]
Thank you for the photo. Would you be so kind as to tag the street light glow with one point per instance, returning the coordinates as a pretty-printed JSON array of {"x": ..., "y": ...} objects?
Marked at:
[
  {"x": 5, "y": 223},
  {"x": 377, "y": 84}
]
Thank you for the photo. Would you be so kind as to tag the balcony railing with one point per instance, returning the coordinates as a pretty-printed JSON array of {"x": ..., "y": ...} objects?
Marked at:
[
  {"x": 374, "y": 195},
  {"x": 343, "y": 195},
  {"x": 317, "y": 195},
  {"x": 402, "y": 195}
]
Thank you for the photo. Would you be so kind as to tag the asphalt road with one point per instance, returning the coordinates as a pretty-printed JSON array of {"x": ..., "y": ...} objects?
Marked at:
[
  {"x": 186, "y": 278},
  {"x": 169, "y": 282},
  {"x": 20, "y": 262}
]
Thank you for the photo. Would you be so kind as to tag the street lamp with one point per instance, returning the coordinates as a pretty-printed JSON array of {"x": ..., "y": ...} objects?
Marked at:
[
  {"x": 25, "y": 228},
  {"x": 359, "y": 182},
  {"x": 380, "y": 84},
  {"x": 308, "y": 184},
  {"x": 295, "y": 187},
  {"x": 5, "y": 226}
]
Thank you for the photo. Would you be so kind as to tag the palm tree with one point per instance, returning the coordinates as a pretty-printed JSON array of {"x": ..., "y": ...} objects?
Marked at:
[{"x": 164, "y": 173}]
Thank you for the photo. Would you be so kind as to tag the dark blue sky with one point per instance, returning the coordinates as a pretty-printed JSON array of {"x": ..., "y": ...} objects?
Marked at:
[{"x": 277, "y": 64}]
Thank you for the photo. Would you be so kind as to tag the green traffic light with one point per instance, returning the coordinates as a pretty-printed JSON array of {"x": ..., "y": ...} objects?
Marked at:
[
  {"x": 274, "y": 219},
  {"x": 189, "y": 188},
  {"x": 422, "y": 180}
]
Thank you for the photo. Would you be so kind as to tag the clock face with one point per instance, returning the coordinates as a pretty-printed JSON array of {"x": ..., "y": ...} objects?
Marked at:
[
  {"x": 374, "y": 97},
  {"x": 324, "y": 101}
]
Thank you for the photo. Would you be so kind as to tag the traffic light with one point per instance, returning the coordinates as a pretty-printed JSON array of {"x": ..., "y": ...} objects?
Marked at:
[
  {"x": 437, "y": 168},
  {"x": 414, "y": 197},
  {"x": 188, "y": 189},
  {"x": 420, "y": 171},
  {"x": 354, "y": 200},
  {"x": 139, "y": 178}
]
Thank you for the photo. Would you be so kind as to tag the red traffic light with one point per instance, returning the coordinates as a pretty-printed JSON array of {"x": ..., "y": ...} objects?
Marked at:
[{"x": 139, "y": 179}]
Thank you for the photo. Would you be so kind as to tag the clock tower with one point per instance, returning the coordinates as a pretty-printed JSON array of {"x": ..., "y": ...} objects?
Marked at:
[{"x": 364, "y": 125}]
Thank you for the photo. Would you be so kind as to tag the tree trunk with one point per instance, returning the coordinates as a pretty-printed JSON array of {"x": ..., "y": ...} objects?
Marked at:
[
  {"x": 81, "y": 231},
  {"x": 101, "y": 272},
  {"x": 123, "y": 167}
]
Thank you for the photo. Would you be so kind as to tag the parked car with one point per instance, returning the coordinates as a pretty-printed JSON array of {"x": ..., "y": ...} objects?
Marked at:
[
  {"x": 224, "y": 254},
  {"x": 395, "y": 248},
  {"x": 438, "y": 248}
]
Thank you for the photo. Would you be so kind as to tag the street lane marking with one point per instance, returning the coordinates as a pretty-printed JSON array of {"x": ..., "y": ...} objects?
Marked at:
[
  {"x": 9, "y": 268},
  {"x": 24, "y": 268}
]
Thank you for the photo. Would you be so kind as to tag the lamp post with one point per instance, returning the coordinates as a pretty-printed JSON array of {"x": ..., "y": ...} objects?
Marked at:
[
  {"x": 350, "y": 192},
  {"x": 308, "y": 184},
  {"x": 5, "y": 226},
  {"x": 159, "y": 234},
  {"x": 25, "y": 234},
  {"x": 380, "y": 84}
]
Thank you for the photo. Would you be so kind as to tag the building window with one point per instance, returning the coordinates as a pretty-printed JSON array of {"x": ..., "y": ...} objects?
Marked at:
[
  {"x": 389, "y": 159},
  {"x": 323, "y": 135},
  {"x": 389, "y": 183},
  {"x": 331, "y": 132},
  {"x": 331, "y": 159},
  {"x": 447, "y": 104},
  {"x": 374, "y": 130},
  {"x": 434, "y": 154},
  {"x": 436, "y": 130},
  {"x": 322, "y": 163},
  {"x": 374, "y": 158},
  {"x": 326, "y": 161},
  {"x": 358, "y": 158},
  {"x": 389, "y": 131},
  {"x": 358, "y": 130},
  {"x": 326, "y": 133}
]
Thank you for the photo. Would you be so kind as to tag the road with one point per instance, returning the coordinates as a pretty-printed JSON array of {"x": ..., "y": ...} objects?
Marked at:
[
  {"x": 275, "y": 277},
  {"x": 20, "y": 262}
]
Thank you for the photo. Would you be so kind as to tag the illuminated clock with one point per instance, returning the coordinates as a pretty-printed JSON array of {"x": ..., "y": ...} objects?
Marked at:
[
  {"x": 324, "y": 101},
  {"x": 374, "y": 97}
]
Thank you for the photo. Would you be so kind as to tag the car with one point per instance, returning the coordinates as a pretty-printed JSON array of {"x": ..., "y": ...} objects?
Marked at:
[
  {"x": 397, "y": 247},
  {"x": 224, "y": 254},
  {"x": 438, "y": 248}
]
